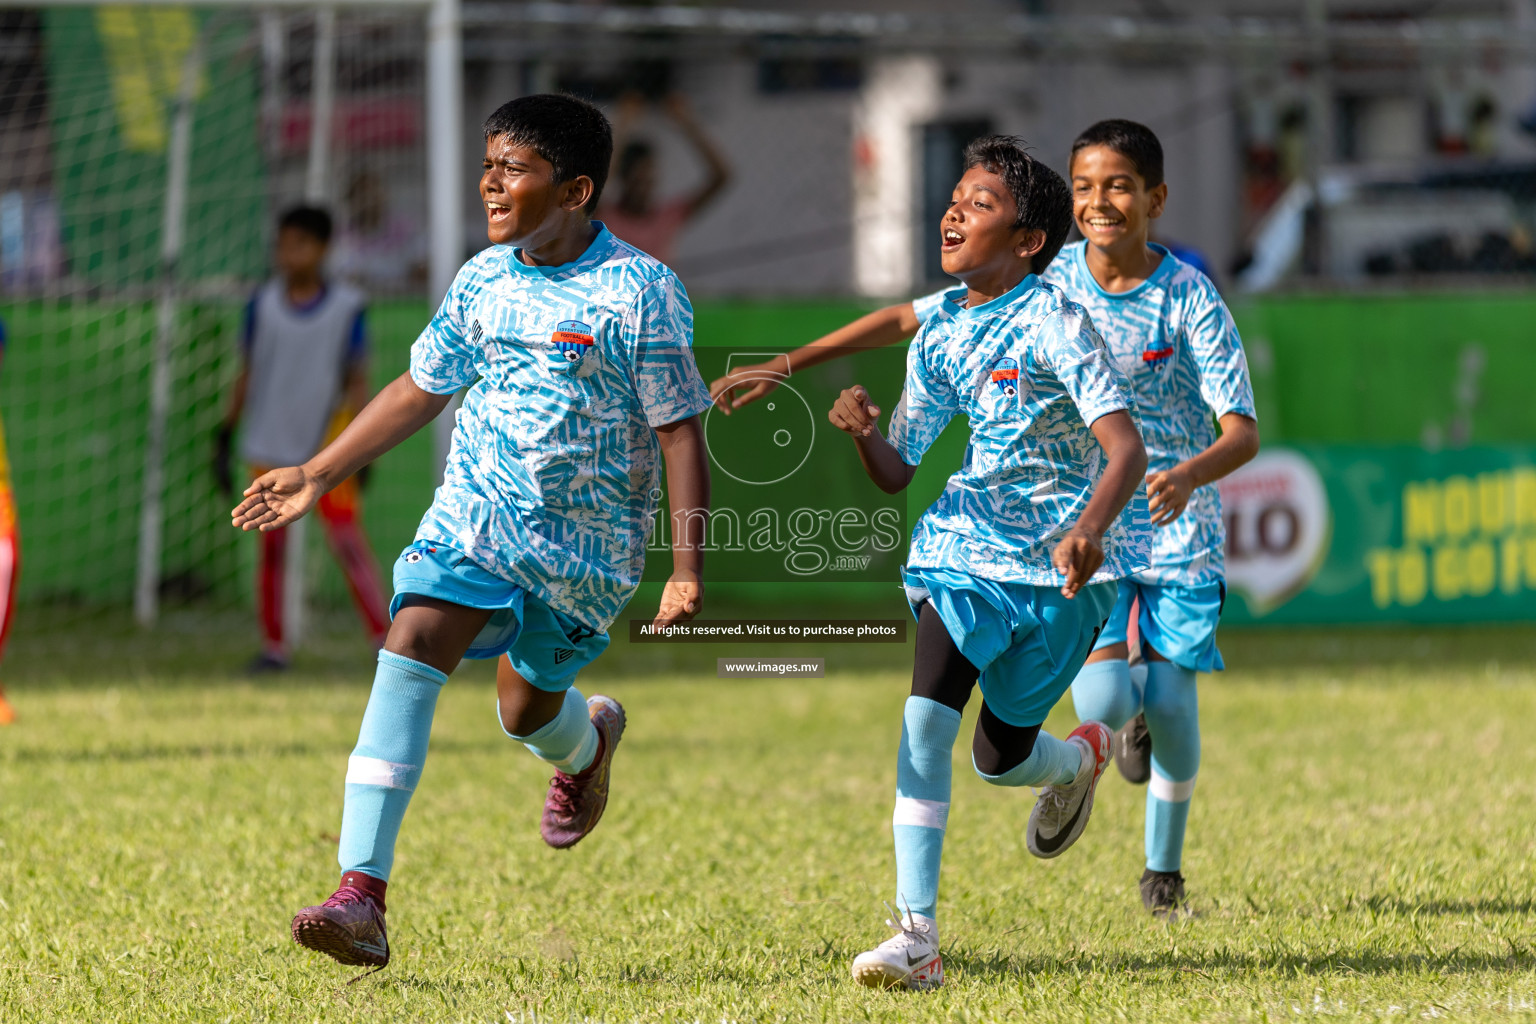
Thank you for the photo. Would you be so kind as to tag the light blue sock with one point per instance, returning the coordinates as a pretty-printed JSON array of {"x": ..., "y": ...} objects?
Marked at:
[
  {"x": 386, "y": 764},
  {"x": 568, "y": 741},
  {"x": 1053, "y": 762},
  {"x": 923, "y": 770},
  {"x": 1173, "y": 721},
  {"x": 1105, "y": 692}
]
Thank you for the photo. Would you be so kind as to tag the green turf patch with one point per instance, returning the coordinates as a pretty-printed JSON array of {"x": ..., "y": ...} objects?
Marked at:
[{"x": 1360, "y": 847}]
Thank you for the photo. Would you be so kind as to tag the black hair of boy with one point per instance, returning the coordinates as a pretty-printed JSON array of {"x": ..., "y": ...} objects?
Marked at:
[
  {"x": 571, "y": 134},
  {"x": 1134, "y": 141},
  {"x": 311, "y": 220},
  {"x": 1043, "y": 199}
]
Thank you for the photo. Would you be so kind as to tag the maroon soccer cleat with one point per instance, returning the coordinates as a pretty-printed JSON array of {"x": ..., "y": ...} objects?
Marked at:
[
  {"x": 348, "y": 928},
  {"x": 575, "y": 803}
]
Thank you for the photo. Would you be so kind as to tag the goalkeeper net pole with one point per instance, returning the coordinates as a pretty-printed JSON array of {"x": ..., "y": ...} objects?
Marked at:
[
  {"x": 445, "y": 112},
  {"x": 146, "y": 604},
  {"x": 317, "y": 180}
]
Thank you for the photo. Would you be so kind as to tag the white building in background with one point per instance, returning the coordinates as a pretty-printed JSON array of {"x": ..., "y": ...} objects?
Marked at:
[
  {"x": 844, "y": 145},
  {"x": 899, "y": 96}
]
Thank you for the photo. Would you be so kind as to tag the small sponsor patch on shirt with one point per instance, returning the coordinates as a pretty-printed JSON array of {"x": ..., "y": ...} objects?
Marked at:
[
  {"x": 1005, "y": 376},
  {"x": 572, "y": 339},
  {"x": 1156, "y": 355}
]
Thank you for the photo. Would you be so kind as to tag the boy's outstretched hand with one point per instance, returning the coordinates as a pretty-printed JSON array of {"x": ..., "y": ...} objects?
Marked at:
[
  {"x": 746, "y": 385},
  {"x": 1078, "y": 556},
  {"x": 276, "y": 499},
  {"x": 681, "y": 599},
  {"x": 853, "y": 413}
]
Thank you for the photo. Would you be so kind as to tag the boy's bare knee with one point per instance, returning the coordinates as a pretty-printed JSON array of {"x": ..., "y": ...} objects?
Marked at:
[
  {"x": 408, "y": 643},
  {"x": 433, "y": 632},
  {"x": 524, "y": 708},
  {"x": 522, "y": 721}
]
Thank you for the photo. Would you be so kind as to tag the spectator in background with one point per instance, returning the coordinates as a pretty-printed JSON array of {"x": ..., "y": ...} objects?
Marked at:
[
  {"x": 304, "y": 376},
  {"x": 10, "y": 556},
  {"x": 378, "y": 248},
  {"x": 637, "y": 216}
]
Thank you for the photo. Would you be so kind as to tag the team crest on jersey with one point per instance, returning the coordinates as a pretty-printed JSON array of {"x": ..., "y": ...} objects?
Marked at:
[
  {"x": 572, "y": 340},
  {"x": 1005, "y": 377}
]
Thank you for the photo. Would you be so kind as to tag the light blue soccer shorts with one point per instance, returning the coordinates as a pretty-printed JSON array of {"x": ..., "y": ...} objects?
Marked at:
[
  {"x": 1029, "y": 642},
  {"x": 1178, "y": 622},
  {"x": 546, "y": 647}
]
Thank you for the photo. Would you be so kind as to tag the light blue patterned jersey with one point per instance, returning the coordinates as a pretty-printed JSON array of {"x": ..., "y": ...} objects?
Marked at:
[
  {"x": 552, "y": 478},
  {"x": 1174, "y": 339},
  {"x": 1031, "y": 373}
]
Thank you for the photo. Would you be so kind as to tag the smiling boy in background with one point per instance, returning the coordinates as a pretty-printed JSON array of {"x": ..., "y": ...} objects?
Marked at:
[{"x": 1172, "y": 336}]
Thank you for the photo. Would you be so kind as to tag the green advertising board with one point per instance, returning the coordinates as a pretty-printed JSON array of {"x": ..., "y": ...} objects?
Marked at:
[
  {"x": 1350, "y": 533},
  {"x": 75, "y": 384},
  {"x": 115, "y": 72}
]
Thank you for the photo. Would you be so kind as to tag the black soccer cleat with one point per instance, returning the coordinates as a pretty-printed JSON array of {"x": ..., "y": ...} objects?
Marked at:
[
  {"x": 1133, "y": 751},
  {"x": 1162, "y": 892}
]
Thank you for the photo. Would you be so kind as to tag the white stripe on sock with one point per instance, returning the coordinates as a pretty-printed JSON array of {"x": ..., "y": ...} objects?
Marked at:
[
  {"x": 926, "y": 813},
  {"x": 579, "y": 759},
  {"x": 1168, "y": 791},
  {"x": 371, "y": 771}
]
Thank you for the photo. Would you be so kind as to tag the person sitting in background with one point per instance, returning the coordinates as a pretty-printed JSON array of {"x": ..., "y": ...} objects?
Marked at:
[
  {"x": 304, "y": 374},
  {"x": 637, "y": 216}
]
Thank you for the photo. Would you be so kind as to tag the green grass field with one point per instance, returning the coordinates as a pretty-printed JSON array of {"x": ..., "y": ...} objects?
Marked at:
[{"x": 1361, "y": 846}]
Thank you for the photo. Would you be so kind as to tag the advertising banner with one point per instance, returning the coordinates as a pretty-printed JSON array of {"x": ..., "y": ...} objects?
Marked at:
[
  {"x": 1334, "y": 534},
  {"x": 115, "y": 73}
]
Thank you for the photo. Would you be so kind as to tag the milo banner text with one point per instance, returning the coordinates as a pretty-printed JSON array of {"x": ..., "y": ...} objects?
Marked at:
[{"x": 1328, "y": 534}]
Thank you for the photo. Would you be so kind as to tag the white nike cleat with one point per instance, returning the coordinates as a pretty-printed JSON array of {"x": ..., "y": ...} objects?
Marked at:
[
  {"x": 908, "y": 959},
  {"x": 1061, "y": 813}
]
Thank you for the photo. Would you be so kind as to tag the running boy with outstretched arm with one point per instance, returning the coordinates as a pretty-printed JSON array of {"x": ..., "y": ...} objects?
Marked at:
[
  {"x": 1012, "y": 570},
  {"x": 1168, "y": 330},
  {"x": 578, "y": 350}
]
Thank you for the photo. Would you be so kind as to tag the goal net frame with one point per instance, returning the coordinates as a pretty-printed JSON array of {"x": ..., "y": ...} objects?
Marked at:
[{"x": 443, "y": 102}]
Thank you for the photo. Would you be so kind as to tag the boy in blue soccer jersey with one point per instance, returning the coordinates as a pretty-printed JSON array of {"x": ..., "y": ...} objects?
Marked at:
[
  {"x": 1170, "y": 333},
  {"x": 578, "y": 350},
  {"x": 1012, "y": 570},
  {"x": 1168, "y": 330}
]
